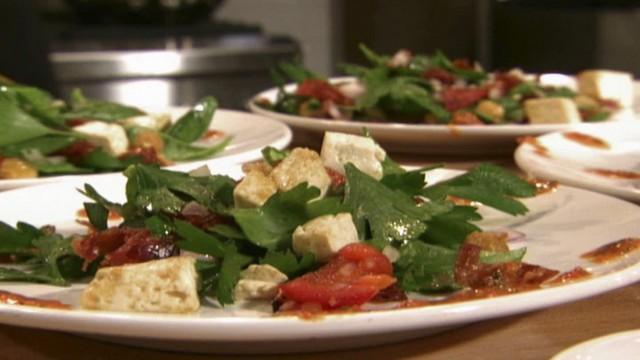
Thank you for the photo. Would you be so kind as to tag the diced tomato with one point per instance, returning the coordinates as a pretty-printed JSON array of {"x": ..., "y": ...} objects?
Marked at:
[
  {"x": 463, "y": 64},
  {"x": 77, "y": 150},
  {"x": 506, "y": 81},
  {"x": 459, "y": 98},
  {"x": 322, "y": 91},
  {"x": 442, "y": 75},
  {"x": 123, "y": 246},
  {"x": 77, "y": 122},
  {"x": 354, "y": 276}
]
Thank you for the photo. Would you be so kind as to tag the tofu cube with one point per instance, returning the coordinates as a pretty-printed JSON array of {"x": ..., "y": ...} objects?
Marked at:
[
  {"x": 325, "y": 236},
  {"x": 254, "y": 190},
  {"x": 302, "y": 165},
  {"x": 339, "y": 149},
  {"x": 607, "y": 85},
  {"x": 258, "y": 282},
  {"x": 159, "y": 286},
  {"x": 111, "y": 137},
  {"x": 552, "y": 111},
  {"x": 151, "y": 121},
  {"x": 263, "y": 273}
]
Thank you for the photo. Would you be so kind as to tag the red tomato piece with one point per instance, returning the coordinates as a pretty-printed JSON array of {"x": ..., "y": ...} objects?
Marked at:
[
  {"x": 442, "y": 75},
  {"x": 459, "y": 98},
  {"x": 322, "y": 91},
  {"x": 354, "y": 276},
  {"x": 77, "y": 150}
]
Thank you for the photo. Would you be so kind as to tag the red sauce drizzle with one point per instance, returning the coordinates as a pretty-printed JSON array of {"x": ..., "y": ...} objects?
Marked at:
[
  {"x": 538, "y": 148},
  {"x": 615, "y": 174},
  {"x": 575, "y": 274},
  {"x": 10, "y": 298},
  {"x": 213, "y": 134},
  {"x": 586, "y": 140},
  {"x": 613, "y": 251}
]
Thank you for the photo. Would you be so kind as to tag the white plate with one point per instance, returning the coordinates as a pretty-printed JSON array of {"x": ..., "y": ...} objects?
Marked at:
[
  {"x": 619, "y": 346},
  {"x": 558, "y": 232},
  {"x": 569, "y": 161},
  {"x": 431, "y": 139},
  {"x": 250, "y": 134}
]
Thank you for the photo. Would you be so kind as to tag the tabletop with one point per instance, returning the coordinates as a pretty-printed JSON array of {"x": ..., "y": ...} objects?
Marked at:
[{"x": 534, "y": 335}]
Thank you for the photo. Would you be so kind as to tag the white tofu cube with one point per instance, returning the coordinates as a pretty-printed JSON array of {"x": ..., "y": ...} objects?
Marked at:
[
  {"x": 263, "y": 273},
  {"x": 325, "y": 236},
  {"x": 254, "y": 190},
  {"x": 258, "y": 282},
  {"x": 254, "y": 290},
  {"x": 159, "y": 286},
  {"x": 339, "y": 149},
  {"x": 552, "y": 111},
  {"x": 151, "y": 121},
  {"x": 112, "y": 137},
  {"x": 607, "y": 85},
  {"x": 302, "y": 165}
]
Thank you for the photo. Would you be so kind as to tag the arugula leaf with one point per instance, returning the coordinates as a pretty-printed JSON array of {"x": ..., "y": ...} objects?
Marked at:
[
  {"x": 330, "y": 205},
  {"x": 287, "y": 262},
  {"x": 409, "y": 182},
  {"x": 489, "y": 184},
  {"x": 392, "y": 215},
  {"x": 273, "y": 156},
  {"x": 449, "y": 229},
  {"x": 295, "y": 71},
  {"x": 374, "y": 59},
  {"x": 177, "y": 150},
  {"x": 426, "y": 268},
  {"x": 159, "y": 225},
  {"x": 36, "y": 102},
  {"x": 9, "y": 274},
  {"x": 52, "y": 249},
  {"x": 441, "y": 60},
  {"x": 271, "y": 225},
  {"x": 90, "y": 192},
  {"x": 192, "y": 125},
  {"x": 18, "y": 126},
  {"x": 232, "y": 264},
  {"x": 98, "y": 215},
  {"x": 159, "y": 200},
  {"x": 199, "y": 241},
  {"x": 44, "y": 145},
  {"x": 99, "y": 159},
  {"x": 17, "y": 240},
  {"x": 83, "y": 108}
]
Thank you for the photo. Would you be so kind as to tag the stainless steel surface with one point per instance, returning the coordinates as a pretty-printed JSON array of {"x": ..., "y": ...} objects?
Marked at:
[{"x": 230, "y": 67}]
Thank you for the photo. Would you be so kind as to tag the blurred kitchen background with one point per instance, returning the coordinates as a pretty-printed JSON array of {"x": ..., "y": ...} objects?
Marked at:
[{"x": 157, "y": 53}]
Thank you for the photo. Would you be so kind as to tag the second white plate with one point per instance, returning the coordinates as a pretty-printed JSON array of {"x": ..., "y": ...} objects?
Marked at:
[{"x": 600, "y": 158}]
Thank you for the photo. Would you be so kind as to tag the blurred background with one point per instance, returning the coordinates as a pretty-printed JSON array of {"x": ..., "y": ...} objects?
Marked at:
[{"x": 158, "y": 53}]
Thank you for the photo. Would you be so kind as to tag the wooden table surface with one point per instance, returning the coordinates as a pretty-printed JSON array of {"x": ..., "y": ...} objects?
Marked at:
[{"x": 536, "y": 335}]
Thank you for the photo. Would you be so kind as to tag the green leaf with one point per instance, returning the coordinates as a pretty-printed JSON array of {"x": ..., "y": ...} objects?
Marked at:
[
  {"x": 409, "y": 182},
  {"x": 426, "y": 268},
  {"x": 9, "y": 274},
  {"x": 273, "y": 156},
  {"x": 90, "y": 192},
  {"x": 374, "y": 59},
  {"x": 287, "y": 262},
  {"x": 391, "y": 215},
  {"x": 53, "y": 248},
  {"x": 44, "y": 145},
  {"x": 296, "y": 71},
  {"x": 177, "y": 150},
  {"x": 18, "y": 126},
  {"x": 159, "y": 200},
  {"x": 198, "y": 241},
  {"x": 99, "y": 159},
  {"x": 98, "y": 215},
  {"x": 331, "y": 205},
  {"x": 17, "y": 240},
  {"x": 192, "y": 125},
  {"x": 271, "y": 225},
  {"x": 489, "y": 184},
  {"x": 83, "y": 108},
  {"x": 450, "y": 229},
  {"x": 35, "y": 102},
  {"x": 159, "y": 225},
  {"x": 232, "y": 264}
]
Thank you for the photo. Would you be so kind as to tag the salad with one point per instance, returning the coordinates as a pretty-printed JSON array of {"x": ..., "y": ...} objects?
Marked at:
[
  {"x": 42, "y": 136},
  {"x": 433, "y": 89},
  {"x": 346, "y": 230}
]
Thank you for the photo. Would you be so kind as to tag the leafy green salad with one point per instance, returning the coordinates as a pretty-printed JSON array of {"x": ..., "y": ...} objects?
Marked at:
[
  {"x": 408, "y": 236},
  {"x": 434, "y": 89},
  {"x": 43, "y": 136}
]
